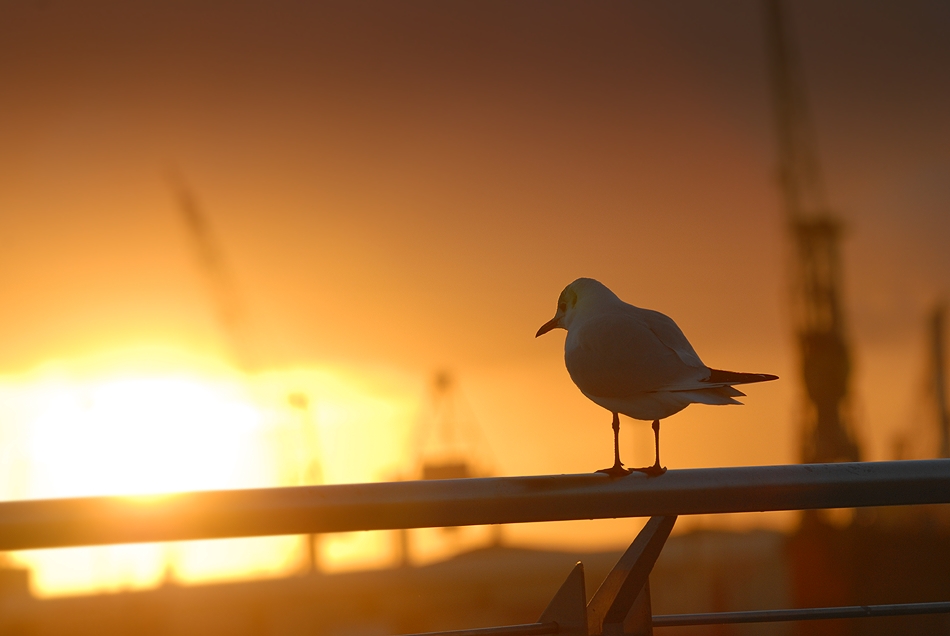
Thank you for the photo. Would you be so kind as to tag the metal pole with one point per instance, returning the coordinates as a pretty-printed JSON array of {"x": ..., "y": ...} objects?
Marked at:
[
  {"x": 462, "y": 502},
  {"x": 809, "y": 614},
  {"x": 529, "y": 629}
]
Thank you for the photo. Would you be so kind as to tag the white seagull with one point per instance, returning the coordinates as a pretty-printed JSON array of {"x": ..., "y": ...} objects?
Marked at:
[{"x": 636, "y": 362}]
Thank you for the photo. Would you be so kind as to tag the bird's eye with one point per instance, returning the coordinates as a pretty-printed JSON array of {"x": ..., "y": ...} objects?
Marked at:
[{"x": 561, "y": 306}]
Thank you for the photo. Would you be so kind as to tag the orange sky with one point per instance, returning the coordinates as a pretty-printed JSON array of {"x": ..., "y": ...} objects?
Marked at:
[{"x": 400, "y": 187}]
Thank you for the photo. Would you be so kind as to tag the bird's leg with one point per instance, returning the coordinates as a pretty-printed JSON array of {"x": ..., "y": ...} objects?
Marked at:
[
  {"x": 617, "y": 470},
  {"x": 655, "y": 470}
]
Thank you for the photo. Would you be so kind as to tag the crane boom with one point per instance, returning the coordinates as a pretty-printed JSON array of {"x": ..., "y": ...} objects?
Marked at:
[{"x": 224, "y": 295}]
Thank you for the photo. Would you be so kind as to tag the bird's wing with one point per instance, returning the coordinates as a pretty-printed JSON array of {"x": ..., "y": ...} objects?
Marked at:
[
  {"x": 620, "y": 354},
  {"x": 672, "y": 336},
  {"x": 669, "y": 333}
]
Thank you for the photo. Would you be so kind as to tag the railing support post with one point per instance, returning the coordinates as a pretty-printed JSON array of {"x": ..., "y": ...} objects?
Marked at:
[
  {"x": 639, "y": 621},
  {"x": 626, "y": 587}
]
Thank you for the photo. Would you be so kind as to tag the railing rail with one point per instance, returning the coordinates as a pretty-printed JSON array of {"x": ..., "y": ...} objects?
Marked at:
[
  {"x": 500, "y": 500},
  {"x": 805, "y": 614}
]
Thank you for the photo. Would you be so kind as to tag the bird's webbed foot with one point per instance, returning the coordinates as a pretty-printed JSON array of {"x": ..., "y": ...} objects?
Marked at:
[
  {"x": 651, "y": 471},
  {"x": 617, "y": 470}
]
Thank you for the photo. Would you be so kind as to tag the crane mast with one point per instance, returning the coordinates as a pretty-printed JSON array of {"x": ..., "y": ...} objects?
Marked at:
[
  {"x": 815, "y": 272},
  {"x": 938, "y": 377}
]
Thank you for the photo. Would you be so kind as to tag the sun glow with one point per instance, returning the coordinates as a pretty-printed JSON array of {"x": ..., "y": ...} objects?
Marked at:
[
  {"x": 143, "y": 435},
  {"x": 121, "y": 427}
]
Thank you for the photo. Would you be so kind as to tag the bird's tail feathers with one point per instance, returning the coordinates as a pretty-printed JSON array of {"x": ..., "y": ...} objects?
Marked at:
[
  {"x": 727, "y": 378},
  {"x": 714, "y": 396},
  {"x": 730, "y": 391}
]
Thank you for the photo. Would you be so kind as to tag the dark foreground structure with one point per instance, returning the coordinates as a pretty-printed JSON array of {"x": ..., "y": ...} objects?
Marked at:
[{"x": 706, "y": 571}]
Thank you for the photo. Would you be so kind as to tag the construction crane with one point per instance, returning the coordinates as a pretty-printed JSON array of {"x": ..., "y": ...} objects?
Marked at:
[
  {"x": 232, "y": 321},
  {"x": 938, "y": 377},
  {"x": 816, "y": 272},
  {"x": 928, "y": 433},
  {"x": 449, "y": 444},
  {"x": 227, "y": 305}
]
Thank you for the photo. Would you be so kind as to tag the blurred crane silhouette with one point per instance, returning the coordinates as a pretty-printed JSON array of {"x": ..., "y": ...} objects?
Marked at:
[
  {"x": 816, "y": 273},
  {"x": 232, "y": 320},
  {"x": 938, "y": 376},
  {"x": 229, "y": 310},
  {"x": 928, "y": 432},
  {"x": 448, "y": 443}
]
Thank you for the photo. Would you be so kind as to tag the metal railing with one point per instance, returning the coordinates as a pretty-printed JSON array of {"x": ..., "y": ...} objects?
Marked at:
[{"x": 620, "y": 606}]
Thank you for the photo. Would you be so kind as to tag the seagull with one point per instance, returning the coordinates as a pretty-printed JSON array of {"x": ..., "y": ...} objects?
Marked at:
[{"x": 636, "y": 362}]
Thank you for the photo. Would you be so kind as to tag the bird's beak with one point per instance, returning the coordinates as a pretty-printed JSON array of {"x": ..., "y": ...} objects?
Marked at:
[{"x": 548, "y": 326}]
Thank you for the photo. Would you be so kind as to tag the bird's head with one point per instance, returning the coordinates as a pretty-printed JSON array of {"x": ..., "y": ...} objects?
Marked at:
[{"x": 578, "y": 294}]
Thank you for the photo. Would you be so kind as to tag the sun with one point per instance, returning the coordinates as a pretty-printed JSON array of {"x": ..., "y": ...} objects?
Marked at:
[
  {"x": 142, "y": 435},
  {"x": 143, "y": 423}
]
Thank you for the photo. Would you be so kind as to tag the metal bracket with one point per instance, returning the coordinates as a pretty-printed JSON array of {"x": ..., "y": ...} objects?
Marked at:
[
  {"x": 622, "y": 603},
  {"x": 620, "y": 607}
]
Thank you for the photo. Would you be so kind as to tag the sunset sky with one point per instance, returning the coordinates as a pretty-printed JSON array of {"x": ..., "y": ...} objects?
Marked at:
[{"x": 398, "y": 188}]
